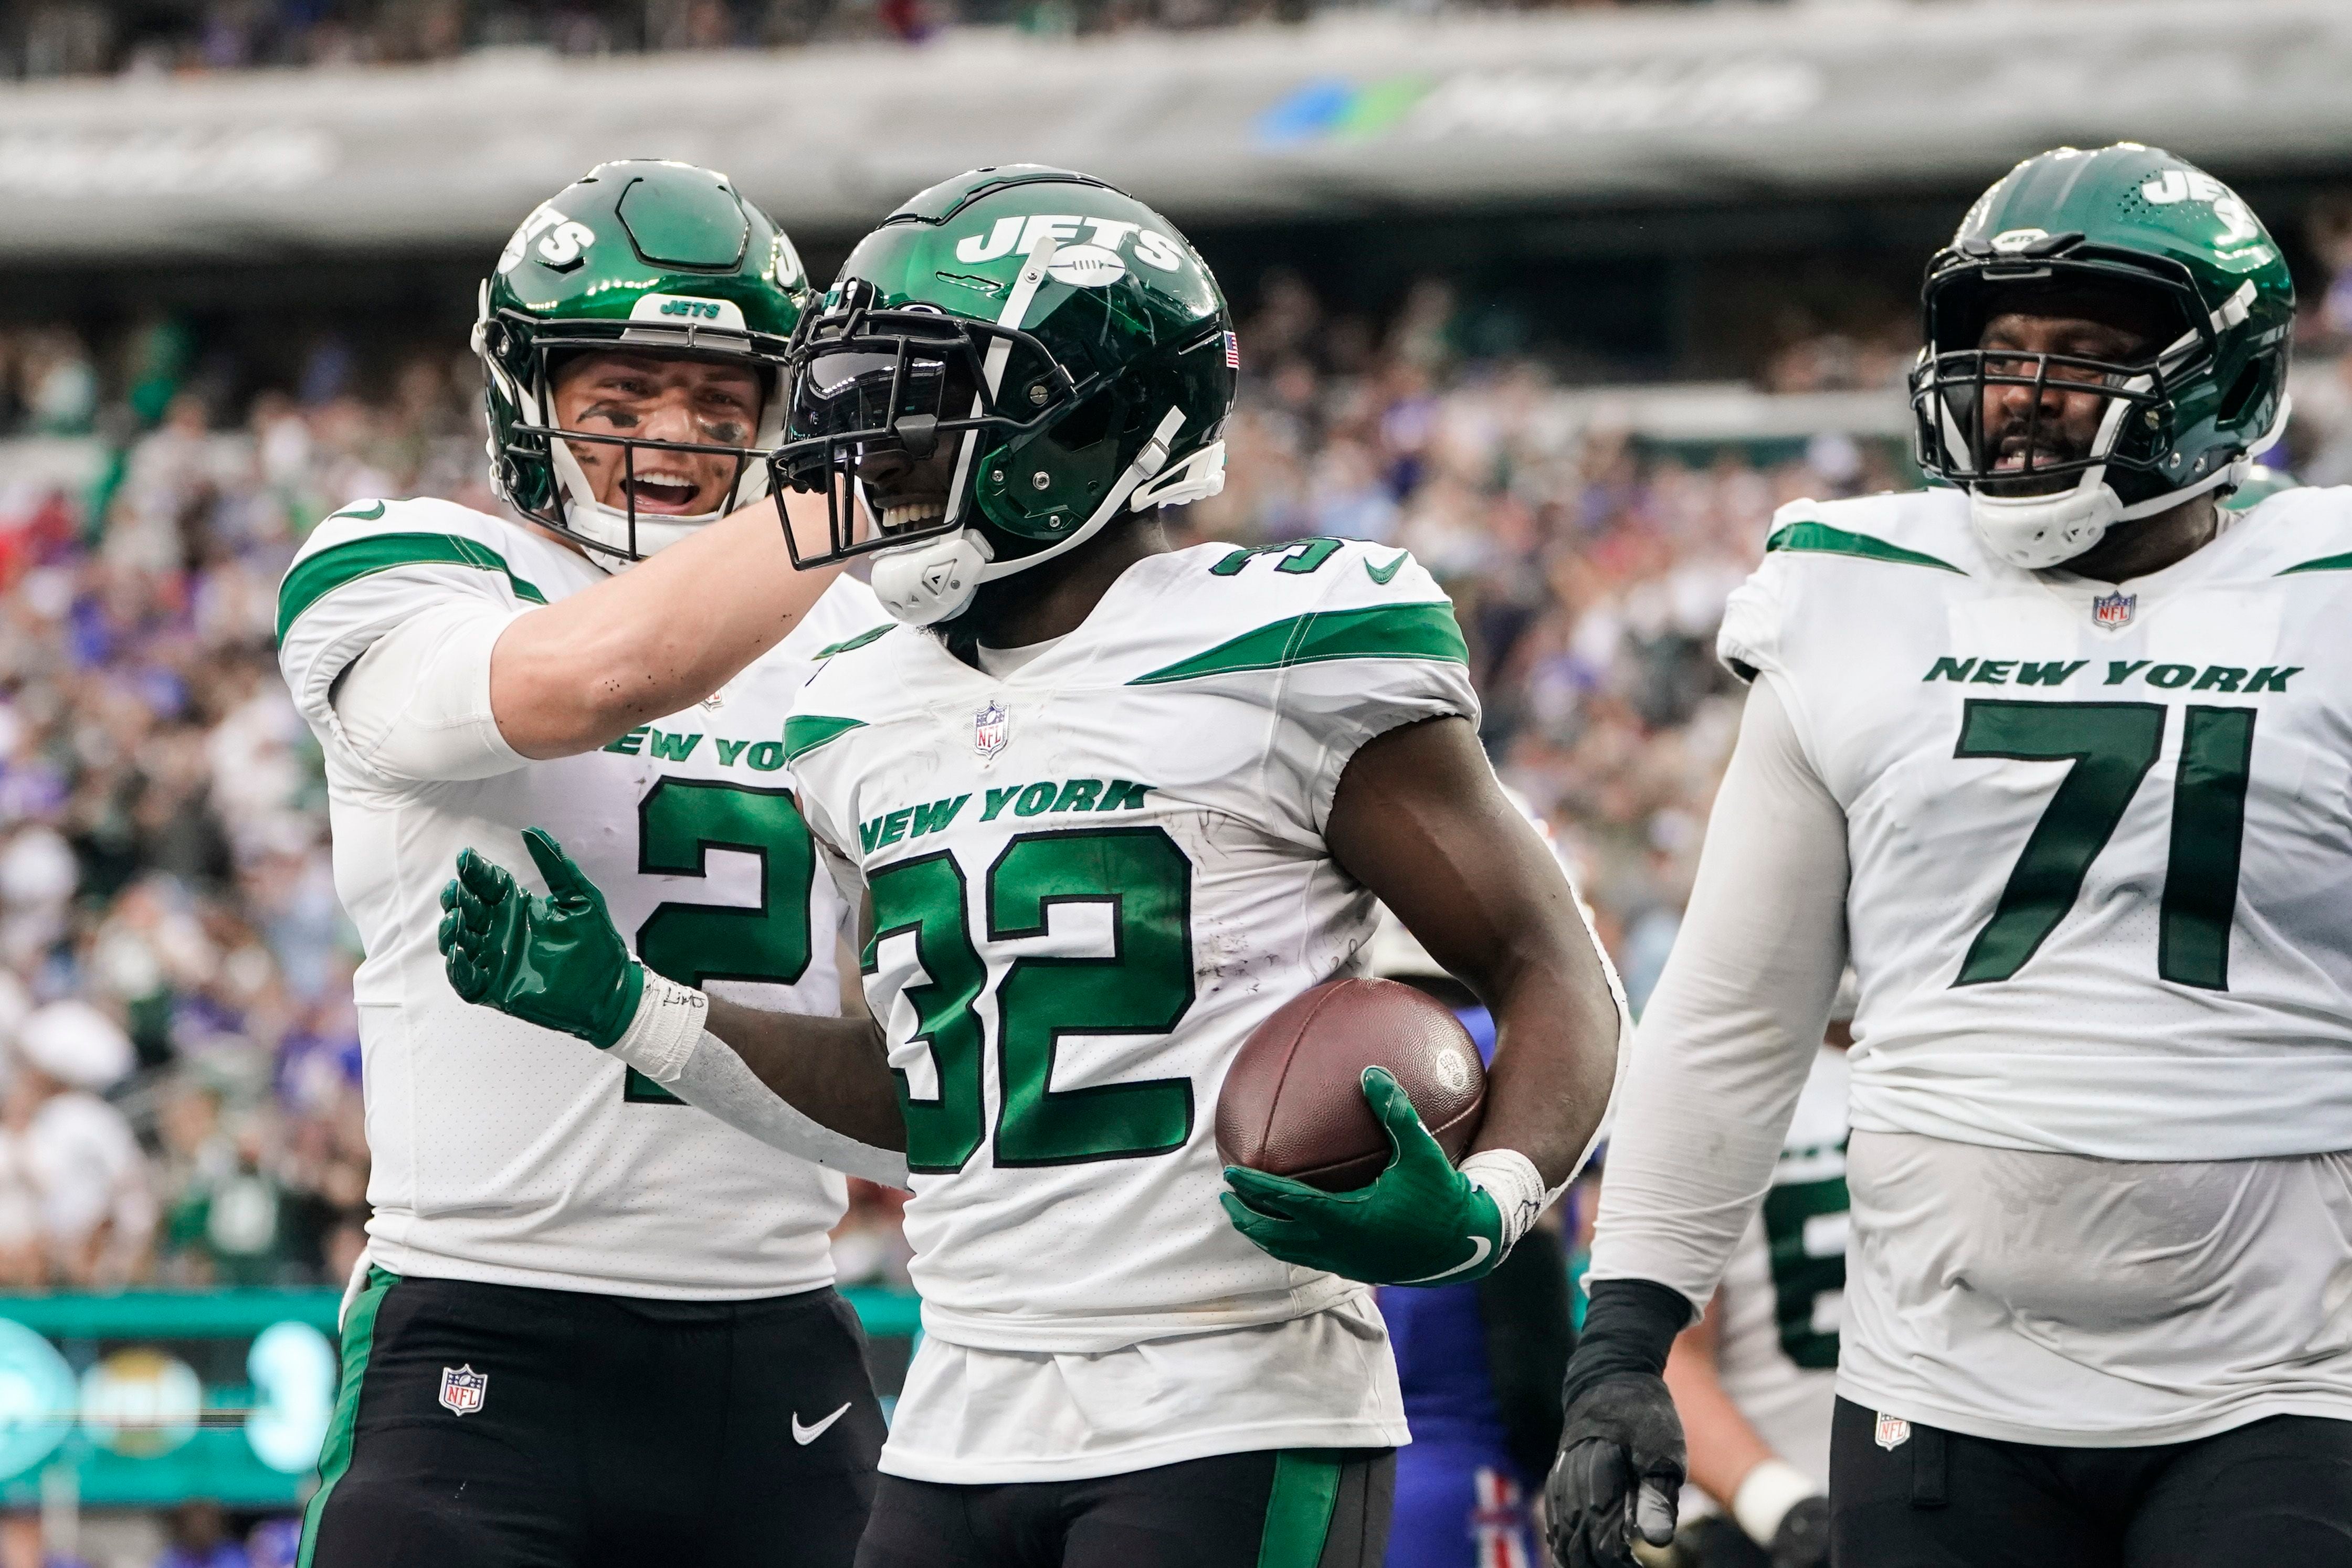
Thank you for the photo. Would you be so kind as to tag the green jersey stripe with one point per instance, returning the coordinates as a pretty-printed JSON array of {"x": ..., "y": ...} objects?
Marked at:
[
  {"x": 335, "y": 1453},
  {"x": 1298, "y": 1509},
  {"x": 805, "y": 732},
  {"x": 1820, "y": 538},
  {"x": 2324, "y": 563},
  {"x": 847, "y": 643},
  {"x": 1382, "y": 632},
  {"x": 330, "y": 569}
]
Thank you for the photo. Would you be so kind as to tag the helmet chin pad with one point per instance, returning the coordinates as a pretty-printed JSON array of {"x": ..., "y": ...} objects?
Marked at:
[
  {"x": 931, "y": 579},
  {"x": 2037, "y": 532},
  {"x": 926, "y": 582}
]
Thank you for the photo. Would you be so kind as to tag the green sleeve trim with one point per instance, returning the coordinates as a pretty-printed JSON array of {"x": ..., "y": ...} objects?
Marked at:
[
  {"x": 335, "y": 1454},
  {"x": 330, "y": 569},
  {"x": 847, "y": 644},
  {"x": 1298, "y": 1509},
  {"x": 1384, "y": 632},
  {"x": 805, "y": 732},
  {"x": 2325, "y": 563},
  {"x": 1820, "y": 538}
]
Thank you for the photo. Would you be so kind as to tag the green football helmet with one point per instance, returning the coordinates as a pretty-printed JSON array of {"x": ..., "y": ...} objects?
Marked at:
[
  {"x": 1040, "y": 351},
  {"x": 645, "y": 254},
  {"x": 2186, "y": 419}
]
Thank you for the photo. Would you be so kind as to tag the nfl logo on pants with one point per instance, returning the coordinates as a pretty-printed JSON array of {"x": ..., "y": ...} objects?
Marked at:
[{"x": 463, "y": 1388}]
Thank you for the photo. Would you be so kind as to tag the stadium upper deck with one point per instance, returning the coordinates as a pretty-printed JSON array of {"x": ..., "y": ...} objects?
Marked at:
[{"x": 1355, "y": 113}]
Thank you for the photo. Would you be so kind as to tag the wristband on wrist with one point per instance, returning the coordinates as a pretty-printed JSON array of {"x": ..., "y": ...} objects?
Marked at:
[
  {"x": 1766, "y": 1495},
  {"x": 665, "y": 1029},
  {"x": 1511, "y": 1180}
]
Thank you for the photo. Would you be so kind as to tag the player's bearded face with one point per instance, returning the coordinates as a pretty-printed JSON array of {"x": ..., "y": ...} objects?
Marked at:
[
  {"x": 2032, "y": 427},
  {"x": 657, "y": 397}
]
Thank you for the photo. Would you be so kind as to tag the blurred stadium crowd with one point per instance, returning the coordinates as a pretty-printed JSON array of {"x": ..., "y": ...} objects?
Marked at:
[
  {"x": 83, "y": 37},
  {"x": 182, "y": 1099}
]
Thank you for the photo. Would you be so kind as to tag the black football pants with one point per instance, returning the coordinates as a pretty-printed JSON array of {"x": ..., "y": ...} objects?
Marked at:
[
  {"x": 490, "y": 1426},
  {"x": 2276, "y": 1493},
  {"x": 1295, "y": 1508}
]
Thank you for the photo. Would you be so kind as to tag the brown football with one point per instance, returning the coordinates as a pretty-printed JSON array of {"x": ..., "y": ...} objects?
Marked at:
[{"x": 1293, "y": 1105}]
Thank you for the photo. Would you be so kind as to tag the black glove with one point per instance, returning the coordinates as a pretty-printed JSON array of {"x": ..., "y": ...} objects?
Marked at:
[
  {"x": 1803, "y": 1539},
  {"x": 1619, "y": 1473},
  {"x": 1621, "y": 1466}
]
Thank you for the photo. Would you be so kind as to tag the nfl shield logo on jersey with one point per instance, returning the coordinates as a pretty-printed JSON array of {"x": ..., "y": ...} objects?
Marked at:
[
  {"x": 463, "y": 1388},
  {"x": 992, "y": 730},
  {"x": 1893, "y": 1432},
  {"x": 2114, "y": 611}
]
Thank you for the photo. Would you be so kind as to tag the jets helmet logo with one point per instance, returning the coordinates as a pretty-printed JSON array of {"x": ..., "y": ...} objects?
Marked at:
[
  {"x": 1086, "y": 266},
  {"x": 1019, "y": 234},
  {"x": 2176, "y": 185},
  {"x": 561, "y": 240},
  {"x": 463, "y": 1389}
]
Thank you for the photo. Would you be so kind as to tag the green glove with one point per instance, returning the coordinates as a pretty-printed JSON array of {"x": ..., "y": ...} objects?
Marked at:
[
  {"x": 554, "y": 961},
  {"x": 1419, "y": 1222}
]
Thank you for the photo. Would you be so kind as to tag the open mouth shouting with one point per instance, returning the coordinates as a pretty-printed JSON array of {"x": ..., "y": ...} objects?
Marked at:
[
  {"x": 666, "y": 493},
  {"x": 664, "y": 435}
]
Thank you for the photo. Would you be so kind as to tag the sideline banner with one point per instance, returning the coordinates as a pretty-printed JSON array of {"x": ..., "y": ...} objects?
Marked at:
[
  {"x": 1348, "y": 113},
  {"x": 152, "y": 1397}
]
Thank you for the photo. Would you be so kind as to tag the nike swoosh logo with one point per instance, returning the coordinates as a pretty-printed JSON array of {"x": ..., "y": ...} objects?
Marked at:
[
  {"x": 1381, "y": 574},
  {"x": 370, "y": 513},
  {"x": 1472, "y": 1261},
  {"x": 804, "y": 1435}
]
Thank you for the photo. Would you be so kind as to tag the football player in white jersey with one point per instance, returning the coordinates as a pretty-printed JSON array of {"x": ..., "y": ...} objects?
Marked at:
[
  {"x": 1754, "y": 1378},
  {"x": 2060, "y": 753},
  {"x": 595, "y": 1325},
  {"x": 1113, "y": 805}
]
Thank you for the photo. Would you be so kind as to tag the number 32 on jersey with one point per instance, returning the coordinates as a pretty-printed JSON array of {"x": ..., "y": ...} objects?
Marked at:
[{"x": 1143, "y": 987}]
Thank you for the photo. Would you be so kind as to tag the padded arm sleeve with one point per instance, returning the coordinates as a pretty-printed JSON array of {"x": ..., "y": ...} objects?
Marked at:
[
  {"x": 1731, "y": 1032},
  {"x": 416, "y": 705}
]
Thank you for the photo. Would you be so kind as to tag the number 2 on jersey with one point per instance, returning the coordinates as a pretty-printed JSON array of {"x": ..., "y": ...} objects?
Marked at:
[
  {"x": 679, "y": 822},
  {"x": 1144, "y": 985},
  {"x": 2112, "y": 747}
]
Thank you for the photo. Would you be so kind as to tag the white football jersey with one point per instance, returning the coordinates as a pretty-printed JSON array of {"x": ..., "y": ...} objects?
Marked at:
[
  {"x": 1783, "y": 1292},
  {"x": 1090, "y": 880},
  {"x": 510, "y": 1153},
  {"x": 2098, "y": 835}
]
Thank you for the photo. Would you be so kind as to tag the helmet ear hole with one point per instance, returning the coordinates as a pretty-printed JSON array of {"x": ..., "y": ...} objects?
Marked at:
[
  {"x": 2242, "y": 392},
  {"x": 1085, "y": 424}
]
